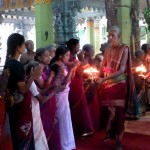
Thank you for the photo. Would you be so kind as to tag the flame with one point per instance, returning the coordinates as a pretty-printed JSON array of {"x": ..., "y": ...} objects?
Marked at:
[
  {"x": 141, "y": 69},
  {"x": 91, "y": 70}
]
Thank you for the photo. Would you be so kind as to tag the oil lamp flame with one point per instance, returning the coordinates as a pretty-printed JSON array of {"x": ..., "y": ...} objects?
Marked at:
[
  {"x": 91, "y": 70},
  {"x": 140, "y": 68}
]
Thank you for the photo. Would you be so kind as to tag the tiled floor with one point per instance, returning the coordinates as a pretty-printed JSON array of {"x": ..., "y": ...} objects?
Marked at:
[
  {"x": 136, "y": 137},
  {"x": 141, "y": 126}
]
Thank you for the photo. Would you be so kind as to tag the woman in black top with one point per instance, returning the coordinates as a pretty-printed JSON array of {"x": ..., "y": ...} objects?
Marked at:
[{"x": 20, "y": 115}]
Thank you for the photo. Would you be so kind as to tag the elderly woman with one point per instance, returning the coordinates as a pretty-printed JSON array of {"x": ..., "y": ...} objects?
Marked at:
[
  {"x": 116, "y": 65},
  {"x": 91, "y": 89},
  {"x": 52, "y": 50}
]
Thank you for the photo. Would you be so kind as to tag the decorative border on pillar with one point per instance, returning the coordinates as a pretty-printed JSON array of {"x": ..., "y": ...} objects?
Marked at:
[{"x": 36, "y": 2}]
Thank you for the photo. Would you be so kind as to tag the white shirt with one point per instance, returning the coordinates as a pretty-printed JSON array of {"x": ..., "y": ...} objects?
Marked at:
[{"x": 33, "y": 89}]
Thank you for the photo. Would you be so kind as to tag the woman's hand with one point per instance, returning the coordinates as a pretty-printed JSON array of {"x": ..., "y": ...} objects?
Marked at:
[
  {"x": 71, "y": 65},
  {"x": 37, "y": 72},
  {"x": 81, "y": 55},
  {"x": 52, "y": 75},
  {"x": 59, "y": 88},
  {"x": 99, "y": 80}
]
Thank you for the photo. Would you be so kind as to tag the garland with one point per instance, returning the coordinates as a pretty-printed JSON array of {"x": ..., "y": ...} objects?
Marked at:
[{"x": 36, "y": 2}]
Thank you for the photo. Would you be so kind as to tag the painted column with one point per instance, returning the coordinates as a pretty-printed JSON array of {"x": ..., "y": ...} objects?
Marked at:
[
  {"x": 148, "y": 36},
  {"x": 124, "y": 20},
  {"x": 97, "y": 36},
  {"x": 90, "y": 31},
  {"x": 43, "y": 22}
]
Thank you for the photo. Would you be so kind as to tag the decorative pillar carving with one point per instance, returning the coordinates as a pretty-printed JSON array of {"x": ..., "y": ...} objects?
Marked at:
[
  {"x": 65, "y": 23},
  {"x": 58, "y": 27}
]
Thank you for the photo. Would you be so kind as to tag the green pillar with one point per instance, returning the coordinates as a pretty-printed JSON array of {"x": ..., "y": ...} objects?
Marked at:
[
  {"x": 90, "y": 31},
  {"x": 97, "y": 36},
  {"x": 148, "y": 36},
  {"x": 44, "y": 23},
  {"x": 124, "y": 20}
]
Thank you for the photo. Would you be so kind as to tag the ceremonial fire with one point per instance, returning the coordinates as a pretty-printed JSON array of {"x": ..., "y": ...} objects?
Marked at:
[
  {"x": 141, "y": 69},
  {"x": 92, "y": 72}
]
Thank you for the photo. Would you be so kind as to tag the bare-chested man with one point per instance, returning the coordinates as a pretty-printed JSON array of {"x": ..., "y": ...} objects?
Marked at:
[{"x": 29, "y": 55}]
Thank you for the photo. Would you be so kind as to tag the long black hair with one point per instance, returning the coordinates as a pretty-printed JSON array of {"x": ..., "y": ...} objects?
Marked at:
[
  {"x": 13, "y": 41},
  {"x": 71, "y": 43},
  {"x": 60, "y": 51}
]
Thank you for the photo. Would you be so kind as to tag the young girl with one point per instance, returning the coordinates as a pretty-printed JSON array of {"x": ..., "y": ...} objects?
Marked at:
[
  {"x": 63, "y": 77},
  {"x": 20, "y": 115}
]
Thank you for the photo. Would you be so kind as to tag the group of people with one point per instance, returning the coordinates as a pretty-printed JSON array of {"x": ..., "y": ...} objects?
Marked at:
[
  {"x": 44, "y": 96},
  {"x": 142, "y": 58},
  {"x": 50, "y": 100}
]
